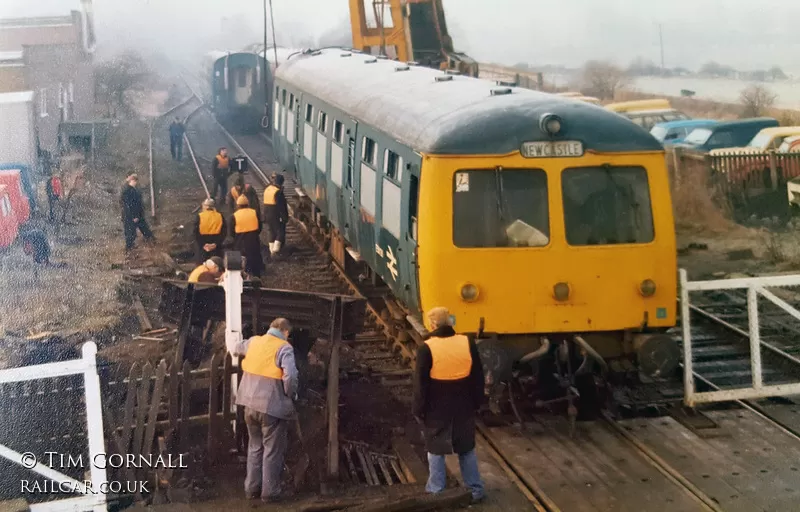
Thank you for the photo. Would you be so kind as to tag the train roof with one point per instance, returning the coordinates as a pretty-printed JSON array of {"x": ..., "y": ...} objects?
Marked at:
[{"x": 461, "y": 115}]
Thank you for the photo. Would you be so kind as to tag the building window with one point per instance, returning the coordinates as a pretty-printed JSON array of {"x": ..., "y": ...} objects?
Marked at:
[
  {"x": 60, "y": 95},
  {"x": 322, "y": 123},
  {"x": 338, "y": 132},
  {"x": 393, "y": 165},
  {"x": 369, "y": 150},
  {"x": 43, "y": 102},
  {"x": 309, "y": 112}
]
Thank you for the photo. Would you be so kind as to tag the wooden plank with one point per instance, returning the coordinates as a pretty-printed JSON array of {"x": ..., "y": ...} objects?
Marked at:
[
  {"x": 122, "y": 449},
  {"x": 413, "y": 468},
  {"x": 144, "y": 321},
  {"x": 449, "y": 498},
  {"x": 213, "y": 408},
  {"x": 141, "y": 409},
  {"x": 127, "y": 418},
  {"x": 155, "y": 403},
  {"x": 174, "y": 397},
  {"x": 186, "y": 391}
]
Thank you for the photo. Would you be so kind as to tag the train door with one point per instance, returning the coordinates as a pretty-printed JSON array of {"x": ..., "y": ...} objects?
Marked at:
[
  {"x": 338, "y": 201},
  {"x": 306, "y": 157},
  {"x": 321, "y": 161},
  {"x": 408, "y": 240},
  {"x": 351, "y": 214},
  {"x": 294, "y": 128}
]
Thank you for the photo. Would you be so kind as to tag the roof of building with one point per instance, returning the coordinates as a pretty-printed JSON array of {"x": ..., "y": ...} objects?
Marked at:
[
  {"x": 16, "y": 97},
  {"x": 436, "y": 113}
]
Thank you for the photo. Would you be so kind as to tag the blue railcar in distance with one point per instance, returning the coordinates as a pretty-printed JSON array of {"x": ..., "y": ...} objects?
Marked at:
[{"x": 241, "y": 85}]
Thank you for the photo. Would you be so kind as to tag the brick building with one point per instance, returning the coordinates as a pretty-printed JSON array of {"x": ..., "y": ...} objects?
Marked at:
[{"x": 51, "y": 56}]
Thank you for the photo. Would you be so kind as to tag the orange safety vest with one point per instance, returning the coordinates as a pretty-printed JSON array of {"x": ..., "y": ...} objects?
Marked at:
[
  {"x": 269, "y": 194},
  {"x": 194, "y": 277},
  {"x": 210, "y": 223},
  {"x": 451, "y": 356},
  {"x": 246, "y": 220},
  {"x": 223, "y": 161},
  {"x": 261, "y": 354}
]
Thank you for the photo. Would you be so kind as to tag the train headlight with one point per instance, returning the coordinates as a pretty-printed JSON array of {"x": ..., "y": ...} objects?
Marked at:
[
  {"x": 550, "y": 124},
  {"x": 561, "y": 291},
  {"x": 469, "y": 292},
  {"x": 647, "y": 288}
]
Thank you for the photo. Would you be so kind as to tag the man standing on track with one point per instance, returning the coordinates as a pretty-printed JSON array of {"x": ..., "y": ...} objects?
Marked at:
[
  {"x": 246, "y": 229},
  {"x": 209, "y": 232},
  {"x": 176, "y": 131},
  {"x": 267, "y": 392},
  {"x": 276, "y": 213},
  {"x": 133, "y": 213},
  {"x": 448, "y": 390},
  {"x": 220, "y": 169}
]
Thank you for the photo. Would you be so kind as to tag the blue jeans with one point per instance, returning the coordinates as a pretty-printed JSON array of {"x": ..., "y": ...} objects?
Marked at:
[{"x": 468, "y": 462}]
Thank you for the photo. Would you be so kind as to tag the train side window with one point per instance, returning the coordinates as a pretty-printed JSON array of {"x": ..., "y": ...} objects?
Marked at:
[
  {"x": 338, "y": 131},
  {"x": 607, "y": 205},
  {"x": 500, "y": 208},
  {"x": 322, "y": 122},
  {"x": 291, "y": 101},
  {"x": 413, "y": 198},
  {"x": 367, "y": 192},
  {"x": 283, "y": 98},
  {"x": 393, "y": 165},
  {"x": 369, "y": 151},
  {"x": 309, "y": 112}
]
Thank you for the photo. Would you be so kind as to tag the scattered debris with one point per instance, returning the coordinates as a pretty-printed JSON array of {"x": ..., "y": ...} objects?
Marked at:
[
  {"x": 142, "y": 314},
  {"x": 741, "y": 254}
]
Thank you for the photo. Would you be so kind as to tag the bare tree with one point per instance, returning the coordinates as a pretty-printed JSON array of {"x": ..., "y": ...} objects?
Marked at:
[
  {"x": 603, "y": 79},
  {"x": 116, "y": 78},
  {"x": 756, "y": 99}
]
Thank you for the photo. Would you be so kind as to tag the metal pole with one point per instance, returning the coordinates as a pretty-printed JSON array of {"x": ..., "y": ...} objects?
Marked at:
[
  {"x": 661, "y": 39},
  {"x": 333, "y": 389},
  {"x": 688, "y": 376}
]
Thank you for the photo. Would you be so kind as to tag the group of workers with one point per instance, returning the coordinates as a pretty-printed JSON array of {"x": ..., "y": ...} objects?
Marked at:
[{"x": 448, "y": 391}]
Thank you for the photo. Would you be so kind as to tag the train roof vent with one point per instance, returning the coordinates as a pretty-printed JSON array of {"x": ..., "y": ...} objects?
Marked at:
[
  {"x": 452, "y": 72},
  {"x": 316, "y": 52},
  {"x": 500, "y": 91},
  {"x": 402, "y": 67},
  {"x": 506, "y": 83},
  {"x": 371, "y": 61},
  {"x": 348, "y": 54},
  {"x": 444, "y": 78}
]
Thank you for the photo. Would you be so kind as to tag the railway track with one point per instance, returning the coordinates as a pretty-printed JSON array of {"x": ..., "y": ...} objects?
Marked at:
[{"x": 608, "y": 460}]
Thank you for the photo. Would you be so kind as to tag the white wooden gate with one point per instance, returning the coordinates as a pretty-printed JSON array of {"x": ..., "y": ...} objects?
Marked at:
[{"x": 91, "y": 497}]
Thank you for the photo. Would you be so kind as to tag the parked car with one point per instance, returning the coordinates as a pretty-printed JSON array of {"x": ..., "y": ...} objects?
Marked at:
[
  {"x": 647, "y": 113},
  {"x": 727, "y": 134},
  {"x": 9, "y": 226},
  {"x": 763, "y": 141},
  {"x": 673, "y": 132},
  {"x": 790, "y": 145},
  {"x": 12, "y": 179}
]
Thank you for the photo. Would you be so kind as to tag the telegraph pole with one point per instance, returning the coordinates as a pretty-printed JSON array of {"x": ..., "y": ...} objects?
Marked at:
[{"x": 661, "y": 39}]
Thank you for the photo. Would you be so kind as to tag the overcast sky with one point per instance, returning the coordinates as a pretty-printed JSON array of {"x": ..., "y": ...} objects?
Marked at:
[{"x": 742, "y": 33}]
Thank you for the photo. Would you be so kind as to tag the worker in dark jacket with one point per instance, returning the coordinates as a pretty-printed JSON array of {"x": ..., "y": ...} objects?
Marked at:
[
  {"x": 276, "y": 213},
  {"x": 220, "y": 169},
  {"x": 448, "y": 390},
  {"x": 208, "y": 272},
  {"x": 176, "y": 131},
  {"x": 34, "y": 243},
  {"x": 246, "y": 229},
  {"x": 209, "y": 232},
  {"x": 133, "y": 212},
  {"x": 239, "y": 187},
  {"x": 55, "y": 192}
]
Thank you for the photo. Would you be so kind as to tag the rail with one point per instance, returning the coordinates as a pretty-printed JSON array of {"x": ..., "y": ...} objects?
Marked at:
[{"x": 756, "y": 288}]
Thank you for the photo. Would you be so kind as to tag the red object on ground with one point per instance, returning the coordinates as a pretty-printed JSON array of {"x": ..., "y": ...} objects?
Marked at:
[
  {"x": 9, "y": 227},
  {"x": 12, "y": 179}
]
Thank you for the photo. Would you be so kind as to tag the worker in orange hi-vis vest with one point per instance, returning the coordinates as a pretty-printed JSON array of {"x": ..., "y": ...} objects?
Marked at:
[
  {"x": 448, "y": 390},
  {"x": 246, "y": 231}
]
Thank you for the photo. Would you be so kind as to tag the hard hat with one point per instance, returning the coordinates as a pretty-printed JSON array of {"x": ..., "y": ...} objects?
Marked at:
[{"x": 242, "y": 201}]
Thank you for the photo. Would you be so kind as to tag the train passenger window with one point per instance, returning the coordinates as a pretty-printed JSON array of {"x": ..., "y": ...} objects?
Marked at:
[
  {"x": 413, "y": 198},
  {"x": 338, "y": 132},
  {"x": 393, "y": 165},
  {"x": 309, "y": 112},
  {"x": 291, "y": 102},
  {"x": 322, "y": 123},
  {"x": 500, "y": 208},
  {"x": 283, "y": 98},
  {"x": 607, "y": 205},
  {"x": 369, "y": 151}
]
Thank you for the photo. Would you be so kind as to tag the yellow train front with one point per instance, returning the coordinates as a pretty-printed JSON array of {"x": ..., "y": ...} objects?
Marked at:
[{"x": 543, "y": 223}]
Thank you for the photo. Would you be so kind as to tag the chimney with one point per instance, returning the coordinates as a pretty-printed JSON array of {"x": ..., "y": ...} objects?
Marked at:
[{"x": 87, "y": 27}]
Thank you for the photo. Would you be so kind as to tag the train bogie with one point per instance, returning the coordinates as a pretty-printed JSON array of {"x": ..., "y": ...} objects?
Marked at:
[{"x": 537, "y": 220}]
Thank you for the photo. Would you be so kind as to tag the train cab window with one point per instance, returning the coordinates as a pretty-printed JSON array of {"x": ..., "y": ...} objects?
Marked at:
[
  {"x": 393, "y": 165},
  {"x": 309, "y": 112},
  {"x": 338, "y": 132},
  {"x": 322, "y": 122},
  {"x": 242, "y": 76},
  {"x": 500, "y": 208},
  {"x": 369, "y": 151},
  {"x": 607, "y": 205}
]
